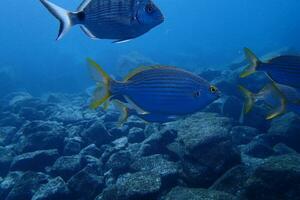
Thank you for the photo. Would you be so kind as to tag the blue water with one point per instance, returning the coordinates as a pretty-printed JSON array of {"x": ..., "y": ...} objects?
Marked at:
[{"x": 195, "y": 35}]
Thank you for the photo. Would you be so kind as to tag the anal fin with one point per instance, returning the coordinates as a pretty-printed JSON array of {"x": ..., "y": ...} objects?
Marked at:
[{"x": 88, "y": 32}]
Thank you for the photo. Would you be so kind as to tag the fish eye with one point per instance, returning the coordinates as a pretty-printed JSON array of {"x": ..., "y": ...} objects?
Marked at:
[
  {"x": 149, "y": 8},
  {"x": 213, "y": 89}
]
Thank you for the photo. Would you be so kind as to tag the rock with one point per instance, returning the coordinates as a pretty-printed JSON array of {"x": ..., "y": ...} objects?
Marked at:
[
  {"x": 282, "y": 149},
  {"x": 233, "y": 181},
  {"x": 243, "y": 134},
  {"x": 91, "y": 150},
  {"x": 136, "y": 135},
  {"x": 158, "y": 164},
  {"x": 6, "y": 135},
  {"x": 72, "y": 146},
  {"x": 27, "y": 185},
  {"x": 277, "y": 178},
  {"x": 66, "y": 166},
  {"x": 140, "y": 185},
  {"x": 34, "y": 161},
  {"x": 157, "y": 142},
  {"x": 257, "y": 149},
  {"x": 11, "y": 119},
  {"x": 287, "y": 127},
  {"x": 87, "y": 183},
  {"x": 6, "y": 157},
  {"x": 97, "y": 134},
  {"x": 119, "y": 161},
  {"x": 197, "y": 175},
  {"x": 55, "y": 189},
  {"x": 40, "y": 135},
  {"x": 208, "y": 149},
  {"x": 31, "y": 114},
  {"x": 180, "y": 193},
  {"x": 8, "y": 183},
  {"x": 120, "y": 143}
]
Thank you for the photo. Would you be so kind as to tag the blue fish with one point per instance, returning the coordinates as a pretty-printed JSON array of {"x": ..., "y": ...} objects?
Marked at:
[
  {"x": 118, "y": 20},
  {"x": 280, "y": 98},
  {"x": 155, "y": 91},
  {"x": 282, "y": 69}
]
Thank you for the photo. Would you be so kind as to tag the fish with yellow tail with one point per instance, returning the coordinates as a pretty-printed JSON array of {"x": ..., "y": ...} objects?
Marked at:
[
  {"x": 155, "y": 93},
  {"x": 279, "y": 98},
  {"x": 281, "y": 69}
]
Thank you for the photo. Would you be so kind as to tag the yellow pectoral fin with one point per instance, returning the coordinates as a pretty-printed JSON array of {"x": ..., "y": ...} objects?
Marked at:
[{"x": 123, "y": 111}]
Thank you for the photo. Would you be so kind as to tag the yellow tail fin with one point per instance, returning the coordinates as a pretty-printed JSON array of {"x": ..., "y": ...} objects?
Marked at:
[
  {"x": 102, "y": 91},
  {"x": 254, "y": 61},
  {"x": 249, "y": 99}
]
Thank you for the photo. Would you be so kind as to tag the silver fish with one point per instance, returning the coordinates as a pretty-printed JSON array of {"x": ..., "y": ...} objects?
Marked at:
[{"x": 119, "y": 20}]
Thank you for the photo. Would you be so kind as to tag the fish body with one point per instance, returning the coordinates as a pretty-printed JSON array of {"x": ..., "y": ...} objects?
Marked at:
[
  {"x": 282, "y": 69},
  {"x": 159, "y": 91},
  {"x": 119, "y": 20}
]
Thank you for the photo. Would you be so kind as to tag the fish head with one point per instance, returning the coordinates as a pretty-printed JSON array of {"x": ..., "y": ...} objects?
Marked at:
[
  {"x": 205, "y": 94},
  {"x": 148, "y": 14}
]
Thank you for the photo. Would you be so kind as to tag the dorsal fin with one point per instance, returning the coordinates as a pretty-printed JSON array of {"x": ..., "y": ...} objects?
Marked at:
[
  {"x": 83, "y": 5},
  {"x": 286, "y": 60},
  {"x": 139, "y": 70}
]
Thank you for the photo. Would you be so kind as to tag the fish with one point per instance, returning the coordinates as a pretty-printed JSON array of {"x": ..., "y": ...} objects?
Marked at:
[
  {"x": 118, "y": 20},
  {"x": 163, "y": 91},
  {"x": 279, "y": 98},
  {"x": 284, "y": 70}
]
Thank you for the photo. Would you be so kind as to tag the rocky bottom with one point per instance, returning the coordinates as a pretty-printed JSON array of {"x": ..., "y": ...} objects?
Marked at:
[{"x": 55, "y": 148}]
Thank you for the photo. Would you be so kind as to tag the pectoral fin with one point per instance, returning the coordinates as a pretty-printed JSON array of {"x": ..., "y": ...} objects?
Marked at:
[
  {"x": 123, "y": 110},
  {"x": 134, "y": 106}
]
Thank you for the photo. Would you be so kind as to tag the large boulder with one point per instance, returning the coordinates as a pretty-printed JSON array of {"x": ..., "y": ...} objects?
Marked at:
[
  {"x": 136, "y": 186},
  {"x": 277, "y": 178},
  {"x": 66, "y": 166},
  {"x": 91, "y": 150},
  {"x": 233, "y": 181},
  {"x": 97, "y": 134},
  {"x": 55, "y": 189},
  {"x": 27, "y": 185},
  {"x": 157, "y": 142},
  {"x": 87, "y": 183},
  {"x": 119, "y": 161},
  {"x": 158, "y": 164},
  {"x": 207, "y": 144},
  {"x": 243, "y": 134},
  {"x": 40, "y": 135},
  {"x": 181, "y": 193},
  {"x": 34, "y": 161}
]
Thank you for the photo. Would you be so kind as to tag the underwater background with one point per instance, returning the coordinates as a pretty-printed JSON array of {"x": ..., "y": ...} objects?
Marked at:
[{"x": 52, "y": 146}]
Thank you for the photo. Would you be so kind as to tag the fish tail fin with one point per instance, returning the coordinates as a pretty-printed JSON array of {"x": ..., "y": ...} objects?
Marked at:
[
  {"x": 249, "y": 99},
  {"x": 67, "y": 19},
  {"x": 102, "y": 92},
  {"x": 283, "y": 101},
  {"x": 254, "y": 62}
]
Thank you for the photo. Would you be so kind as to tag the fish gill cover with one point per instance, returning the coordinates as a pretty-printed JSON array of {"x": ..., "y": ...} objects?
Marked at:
[{"x": 149, "y": 138}]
